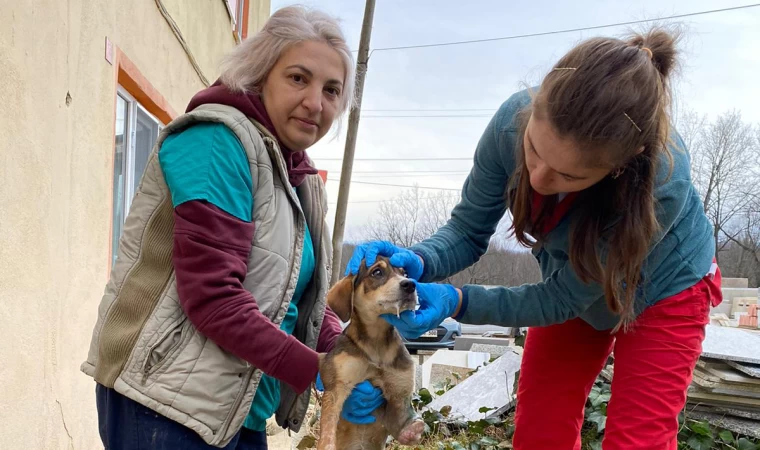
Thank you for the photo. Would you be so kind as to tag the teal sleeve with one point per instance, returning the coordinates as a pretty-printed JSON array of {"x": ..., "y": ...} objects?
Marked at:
[
  {"x": 563, "y": 296},
  {"x": 560, "y": 297},
  {"x": 207, "y": 162},
  {"x": 465, "y": 237}
]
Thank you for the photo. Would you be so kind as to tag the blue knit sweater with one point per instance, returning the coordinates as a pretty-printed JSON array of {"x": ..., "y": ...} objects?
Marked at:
[{"x": 680, "y": 256}]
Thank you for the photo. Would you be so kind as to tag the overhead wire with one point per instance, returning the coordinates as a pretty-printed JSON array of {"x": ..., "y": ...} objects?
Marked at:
[
  {"x": 386, "y": 116},
  {"x": 474, "y": 41},
  {"x": 568, "y": 30},
  {"x": 430, "y": 110},
  {"x": 397, "y": 159},
  {"x": 398, "y": 185},
  {"x": 404, "y": 172}
]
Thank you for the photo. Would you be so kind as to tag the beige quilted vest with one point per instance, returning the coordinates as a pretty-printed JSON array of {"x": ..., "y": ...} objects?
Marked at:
[{"x": 144, "y": 347}]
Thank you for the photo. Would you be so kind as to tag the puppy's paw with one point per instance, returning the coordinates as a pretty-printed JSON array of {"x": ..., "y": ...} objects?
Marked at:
[{"x": 412, "y": 433}]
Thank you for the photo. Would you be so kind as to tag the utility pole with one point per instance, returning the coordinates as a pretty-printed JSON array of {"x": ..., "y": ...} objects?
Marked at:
[{"x": 348, "y": 154}]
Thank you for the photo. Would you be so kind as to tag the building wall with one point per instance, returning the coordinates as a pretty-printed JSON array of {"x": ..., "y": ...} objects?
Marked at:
[{"x": 57, "y": 94}]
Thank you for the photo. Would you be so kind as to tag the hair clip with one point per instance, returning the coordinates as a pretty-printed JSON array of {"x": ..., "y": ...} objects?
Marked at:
[
  {"x": 565, "y": 68},
  {"x": 649, "y": 51},
  {"x": 634, "y": 123}
]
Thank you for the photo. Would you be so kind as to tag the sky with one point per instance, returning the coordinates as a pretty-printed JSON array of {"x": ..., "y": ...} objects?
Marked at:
[{"x": 719, "y": 69}]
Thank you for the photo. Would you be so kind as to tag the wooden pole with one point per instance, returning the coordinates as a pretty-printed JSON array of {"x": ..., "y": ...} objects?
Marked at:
[{"x": 348, "y": 154}]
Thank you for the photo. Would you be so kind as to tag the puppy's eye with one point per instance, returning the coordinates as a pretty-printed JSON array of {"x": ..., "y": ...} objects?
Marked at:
[{"x": 377, "y": 273}]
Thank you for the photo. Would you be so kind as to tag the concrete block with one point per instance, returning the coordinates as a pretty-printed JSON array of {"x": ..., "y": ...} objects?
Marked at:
[
  {"x": 728, "y": 295},
  {"x": 741, "y": 305},
  {"x": 466, "y": 342},
  {"x": 732, "y": 293},
  {"x": 731, "y": 344},
  {"x": 494, "y": 350},
  {"x": 736, "y": 283},
  {"x": 492, "y": 387}
]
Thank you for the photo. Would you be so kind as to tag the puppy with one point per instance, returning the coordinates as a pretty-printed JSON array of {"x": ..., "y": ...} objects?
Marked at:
[{"x": 370, "y": 349}]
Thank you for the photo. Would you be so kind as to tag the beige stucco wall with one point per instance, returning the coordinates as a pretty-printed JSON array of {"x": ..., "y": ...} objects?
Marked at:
[{"x": 55, "y": 188}]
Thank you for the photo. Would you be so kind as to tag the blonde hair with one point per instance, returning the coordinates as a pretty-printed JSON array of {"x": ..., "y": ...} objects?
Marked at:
[{"x": 246, "y": 67}]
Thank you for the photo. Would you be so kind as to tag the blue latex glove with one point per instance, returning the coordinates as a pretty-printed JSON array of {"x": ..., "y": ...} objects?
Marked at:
[
  {"x": 437, "y": 302},
  {"x": 361, "y": 403},
  {"x": 399, "y": 257}
]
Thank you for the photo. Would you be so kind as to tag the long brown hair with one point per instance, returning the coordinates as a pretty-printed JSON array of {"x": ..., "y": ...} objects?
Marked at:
[{"x": 612, "y": 98}]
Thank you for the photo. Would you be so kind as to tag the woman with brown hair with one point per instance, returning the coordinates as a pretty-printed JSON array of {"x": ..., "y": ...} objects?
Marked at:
[{"x": 598, "y": 185}]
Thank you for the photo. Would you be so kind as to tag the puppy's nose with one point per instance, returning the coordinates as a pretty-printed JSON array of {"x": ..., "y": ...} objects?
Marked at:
[{"x": 407, "y": 286}]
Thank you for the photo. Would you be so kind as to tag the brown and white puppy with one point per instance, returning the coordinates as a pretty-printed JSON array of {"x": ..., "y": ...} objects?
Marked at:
[{"x": 370, "y": 349}]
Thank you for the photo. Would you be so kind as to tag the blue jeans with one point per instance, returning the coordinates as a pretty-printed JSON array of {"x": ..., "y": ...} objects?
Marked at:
[{"x": 127, "y": 425}]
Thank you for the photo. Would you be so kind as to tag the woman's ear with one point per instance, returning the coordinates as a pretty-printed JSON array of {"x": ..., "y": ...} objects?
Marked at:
[{"x": 340, "y": 296}]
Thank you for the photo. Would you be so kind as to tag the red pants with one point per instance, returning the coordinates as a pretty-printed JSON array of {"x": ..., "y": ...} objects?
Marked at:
[{"x": 654, "y": 362}]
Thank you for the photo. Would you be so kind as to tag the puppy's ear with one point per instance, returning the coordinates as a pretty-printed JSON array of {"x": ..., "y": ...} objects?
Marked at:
[{"x": 340, "y": 296}]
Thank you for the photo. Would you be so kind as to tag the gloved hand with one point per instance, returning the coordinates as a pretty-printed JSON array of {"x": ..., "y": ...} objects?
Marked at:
[
  {"x": 361, "y": 403},
  {"x": 437, "y": 302},
  {"x": 399, "y": 257}
]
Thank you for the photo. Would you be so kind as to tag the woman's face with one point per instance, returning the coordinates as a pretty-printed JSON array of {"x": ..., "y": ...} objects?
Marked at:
[
  {"x": 555, "y": 164},
  {"x": 302, "y": 93}
]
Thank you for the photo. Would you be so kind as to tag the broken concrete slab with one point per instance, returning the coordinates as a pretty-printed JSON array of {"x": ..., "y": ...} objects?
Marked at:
[
  {"x": 491, "y": 386},
  {"x": 494, "y": 350},
  {"x": 726, "y": 373},
  {"x": 465, "y": 359},
  {"x": 440, "y": 373},
  {"x": 752, "y": 370},
  {"x": 697, "y": 395},
  {"x": 743, "y": 413},
  {"x": 731, "y": 344},
  {"x": 746, "y": 427}
]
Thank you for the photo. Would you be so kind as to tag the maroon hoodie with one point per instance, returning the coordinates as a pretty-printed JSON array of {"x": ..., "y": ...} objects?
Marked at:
[{"x": 211, "y": 250}]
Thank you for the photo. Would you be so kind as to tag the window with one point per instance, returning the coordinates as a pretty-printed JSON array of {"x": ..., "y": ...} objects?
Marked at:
[
  {"x": 136, "y": 133},
  {"x": 236, "y": 8}
]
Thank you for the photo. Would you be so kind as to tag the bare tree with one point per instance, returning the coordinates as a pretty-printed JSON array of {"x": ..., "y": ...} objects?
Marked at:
[
  {"x": 741, "y": 256},
  {"x": 724, "y": 157},
  {"x": 412, "y": 217}
]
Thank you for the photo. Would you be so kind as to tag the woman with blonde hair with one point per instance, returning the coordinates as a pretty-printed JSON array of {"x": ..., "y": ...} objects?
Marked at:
[{"x": 214, "y": 315}]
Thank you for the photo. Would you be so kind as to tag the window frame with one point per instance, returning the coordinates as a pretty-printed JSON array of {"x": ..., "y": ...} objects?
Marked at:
[
  {"x": 238, "y": 18},
  {"x": 129, "y": 151}
]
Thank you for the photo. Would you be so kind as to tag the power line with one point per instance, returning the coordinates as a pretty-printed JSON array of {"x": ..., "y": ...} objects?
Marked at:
[
  {"x": 398, "y": 185},
  {"x": 404, "y": 172},
  {"x": 397, "y": 159},
  {"x": 406, "y": 175},
  {"x": 569, "y": 30},
  {"x": 378, "y": 116},
  {"x": 389, "y": 200},
  {"x": 430, "y": 110}
]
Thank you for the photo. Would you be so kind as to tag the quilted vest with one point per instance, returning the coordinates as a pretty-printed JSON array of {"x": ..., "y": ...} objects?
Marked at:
[{"x": 143, "y": 345}]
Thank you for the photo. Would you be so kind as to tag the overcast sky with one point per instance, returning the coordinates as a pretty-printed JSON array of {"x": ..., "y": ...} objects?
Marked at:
[{"x": 720, "y": 69}]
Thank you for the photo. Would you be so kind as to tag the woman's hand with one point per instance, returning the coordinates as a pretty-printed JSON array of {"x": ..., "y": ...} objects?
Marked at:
[
  {"x": 361, "y": 403},
  {"x": 437, "y": 302},
  {"x": 411, "y": 262}
]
